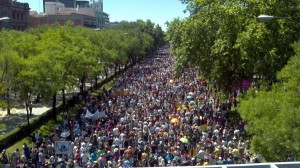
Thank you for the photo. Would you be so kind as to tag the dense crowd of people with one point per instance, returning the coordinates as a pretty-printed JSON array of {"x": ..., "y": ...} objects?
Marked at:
[{"x": 152, "y": 119}]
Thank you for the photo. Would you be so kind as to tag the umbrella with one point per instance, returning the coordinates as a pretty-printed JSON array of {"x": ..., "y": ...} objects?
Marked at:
[
  {"x": 65, "y": 134},
  {"x": 184, "y": 107},
  {"x": 184, "y": 140},
  {"x": 174, "y": 120},
  {"x": 235, "y": 152},
  {"x": 192, "y": 103},
  {"x": 189, "y": 97},
  {"x": 191, "y": 93}
]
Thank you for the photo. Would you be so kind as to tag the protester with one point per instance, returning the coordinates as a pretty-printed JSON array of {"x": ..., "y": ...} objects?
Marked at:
[{"x": 150, "y": 118}]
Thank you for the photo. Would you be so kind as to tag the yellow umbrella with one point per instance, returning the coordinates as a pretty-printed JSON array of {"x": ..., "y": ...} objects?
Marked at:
[
  {"x": 174, "y": 120},
  {"x": 235, "y": 152},
  {"x": 184, "y": 107},
  {"x": 217, "y": 150}
]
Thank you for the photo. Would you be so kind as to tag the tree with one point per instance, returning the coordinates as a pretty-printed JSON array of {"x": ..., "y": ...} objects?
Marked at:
[
  {"x": 25, "y": 82},
  {"x": 272, "y": 114},
  {"x": 221, "y": 36},
  {"x": 11, "y": 61},
  {"x": 53, "y": 58},
  {"x": 207, "y": 40},
  {"x": 67, "y": 56}
]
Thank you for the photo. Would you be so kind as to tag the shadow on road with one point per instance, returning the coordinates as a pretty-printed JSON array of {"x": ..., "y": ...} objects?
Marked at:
[{"x": 12, "y": 121}]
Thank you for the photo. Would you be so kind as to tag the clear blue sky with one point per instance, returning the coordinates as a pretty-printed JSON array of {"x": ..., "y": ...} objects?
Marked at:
[{"x": 158, "y": 11}]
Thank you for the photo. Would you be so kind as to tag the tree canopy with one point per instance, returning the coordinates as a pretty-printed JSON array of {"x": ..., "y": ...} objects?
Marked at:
[
  {"x": 52, "y": 58},
  {"x": 227, "y": 43},
  {"x": 272, "y": 114}
]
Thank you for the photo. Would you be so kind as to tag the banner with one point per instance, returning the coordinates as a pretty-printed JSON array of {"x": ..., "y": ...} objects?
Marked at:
[
  {"x": 95, "y": 116},
  {"x": 63, "y": 147}
]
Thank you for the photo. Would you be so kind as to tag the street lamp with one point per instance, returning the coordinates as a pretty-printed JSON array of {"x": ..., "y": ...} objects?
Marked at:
[
  {"x": 266, "y": 18},
  {"x": 4, "y": 18}
]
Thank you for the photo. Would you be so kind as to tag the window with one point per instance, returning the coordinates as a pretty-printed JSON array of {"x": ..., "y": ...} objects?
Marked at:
[{"x": 14, "y": 15}]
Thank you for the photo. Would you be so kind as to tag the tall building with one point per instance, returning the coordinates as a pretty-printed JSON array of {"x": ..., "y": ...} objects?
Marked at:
[
  {"x": 86, "y": 8},
  {"x": 17, "y": 12},
  {"x": 67, "y": 3},
  {"x": 82, "y": 4},
  {"x": 53, "y": 8},
  {"x": 97, "y": 6},
  {"x": 37, "y": 20},
  {"x": 106, "y": 19}
]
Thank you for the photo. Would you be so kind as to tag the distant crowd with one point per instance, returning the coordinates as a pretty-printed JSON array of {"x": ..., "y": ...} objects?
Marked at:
[{"x": 152, "y": 119}]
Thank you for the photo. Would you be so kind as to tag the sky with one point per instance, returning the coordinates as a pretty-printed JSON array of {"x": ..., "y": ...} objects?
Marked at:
[{"x": 158, "y": 11}]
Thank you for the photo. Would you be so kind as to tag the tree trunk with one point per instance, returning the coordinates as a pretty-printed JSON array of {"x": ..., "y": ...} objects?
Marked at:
[
  {"x": 64, "y": 99},
  {"x": 8, "y": 102},
  {"x": 106, "y": 73},
  {"x": 115, "y": 68},
  {"x": 27, "y": 111},
  {"x": 81, "y": 85},
  {"x": 91, "y": 85},
  {"x": 54, "y": 106},
  {"x": 28, "y": 130},
  {"x": 96, "y": 83},
  {"x": 126, "y": 64}
]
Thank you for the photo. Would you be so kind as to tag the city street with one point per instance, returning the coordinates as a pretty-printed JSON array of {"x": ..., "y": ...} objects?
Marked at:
[{"x": 151, "y": 118}]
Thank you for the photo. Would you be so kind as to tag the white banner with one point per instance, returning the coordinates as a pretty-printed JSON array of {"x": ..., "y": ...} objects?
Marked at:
[
  {"x": 96, "y": 115},
  {"x": 63, "y": 147}
]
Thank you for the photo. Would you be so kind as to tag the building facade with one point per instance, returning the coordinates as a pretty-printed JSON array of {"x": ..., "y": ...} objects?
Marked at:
[
  {"x": 106, "y": 19},
  {"x": 95, "y": 10},
  {"x": 67, "y": 3},
  {"x": 90, "y": 13},
  {"x": 53, "y": 8},
  {"x": 17, "y": 12},
  {"x": 37, "y": 20}
]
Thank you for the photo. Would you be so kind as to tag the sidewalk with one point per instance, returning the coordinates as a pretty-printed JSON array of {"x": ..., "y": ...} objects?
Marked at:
[{"x": 18, "y": 117}]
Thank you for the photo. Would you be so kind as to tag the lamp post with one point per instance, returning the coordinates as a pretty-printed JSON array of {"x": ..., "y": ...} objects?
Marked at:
[
  {"x": 266, "y": 18},
  {"x": 27, "y": 112}
]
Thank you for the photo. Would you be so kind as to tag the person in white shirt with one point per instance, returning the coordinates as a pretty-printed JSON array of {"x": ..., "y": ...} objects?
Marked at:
[
  {"x": 117, "y": 142},
  {"x": 42, "y": 158},
  {"x": 84, "y": 158},
  {"x": 237, "y": 133},
  {"x": 116, "y": 131},
  {"x": 17, "y": 154},
  {"x": 37, "y": 135}
]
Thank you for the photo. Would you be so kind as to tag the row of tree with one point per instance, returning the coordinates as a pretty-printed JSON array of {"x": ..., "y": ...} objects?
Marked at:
[
  {"x": 226, "y": 42},
  {"x": 273, "y": 114},
  {"x": 54, "y": 58}
]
